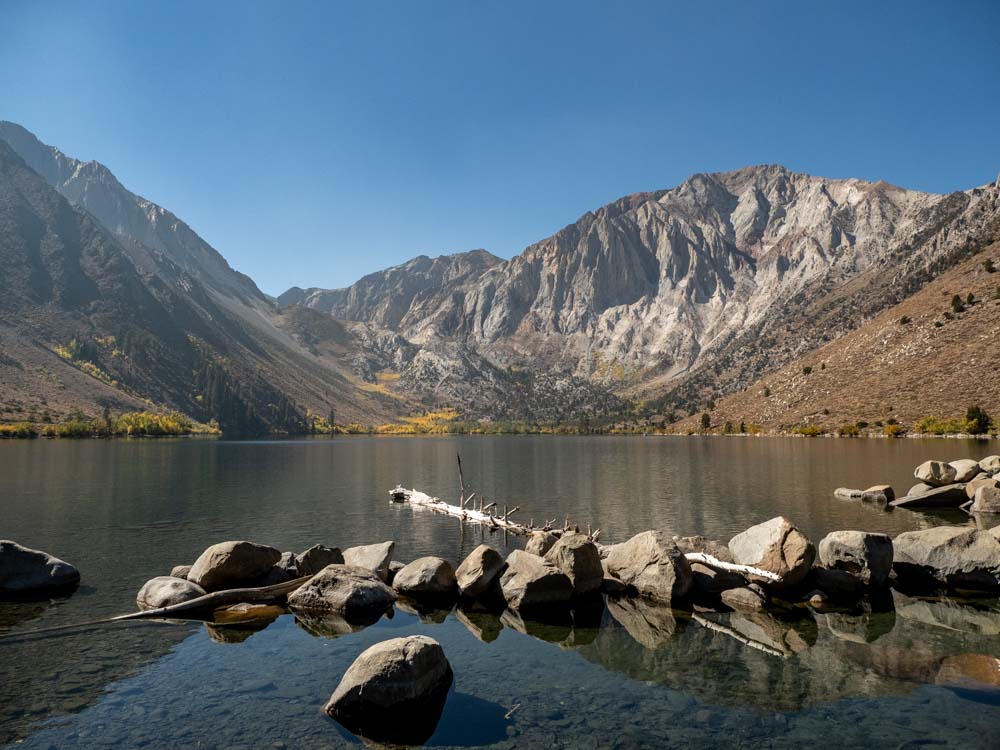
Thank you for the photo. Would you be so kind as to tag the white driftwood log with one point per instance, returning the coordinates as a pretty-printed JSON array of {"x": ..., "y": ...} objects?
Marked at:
[{"x": 747, "y": 570}]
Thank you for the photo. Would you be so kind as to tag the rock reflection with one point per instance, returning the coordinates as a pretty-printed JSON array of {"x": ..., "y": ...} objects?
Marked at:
[
  {"x": 237, "y": 623},
  {"x": 483, "y": 624},
  {"x": 428, "y": 612},
  {"x": 332, "y": 625},
  {"x": 650, "y": 624}
]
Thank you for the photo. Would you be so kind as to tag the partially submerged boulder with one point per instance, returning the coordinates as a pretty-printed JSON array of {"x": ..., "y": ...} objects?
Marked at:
[
  {"x": 867, "y": 556},
  {"x": 540, "y": 542},
  {"x": 374, "y": 557},
  {"x": 232, "y": 564},
  {"x": 948, "y": 557},
  {"x": 531, "y": 581},
  {"x": 653, "y": 564},
  {"x": 965, "y": 469},
  {"x": 980, "y": 481},
  {"x": 986, "y": 500},
  {"x": 775, "y": 546},
  {"x": 394, "y": 692},
  {"x": 349, "y": 591},
  {"x": 479, "y": 571},
  {"x": 317, "y": 557},
  {"x": 426, "y": 577},
  {"x": 882, "y": 493},
  {"x": 947, "y": 496},
  {"x": 936, "y": 473},
  {"x": 23, "y": 570},
  {"x": 576, "y": 556},
  {"x": 164, "y": 591}
]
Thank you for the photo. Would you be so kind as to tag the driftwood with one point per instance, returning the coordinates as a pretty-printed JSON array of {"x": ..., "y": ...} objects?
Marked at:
[{"x": 747, "y": 570}]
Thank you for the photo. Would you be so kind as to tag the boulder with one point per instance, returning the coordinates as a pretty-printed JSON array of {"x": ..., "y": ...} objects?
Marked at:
[
  {"x": 426, "y": 577},
  {"x": 286, "y": 569},
  {"x": 163, "y": 591},
  {"x": 23, "y": 570},
  {"x": 835, "y": 584},
  {"x": 180, "y": 571},
  {"x": 576, "y": 556},
  {"x": 987, "y": 500},
  {"x": 653, "y": 564},
  {"x": 394, "y": 692},
  {"x": 919, "y": 489},
  {"x": 746, "y": 599},
  {"x": 965, "y": 469},
  {"x": 990, "y": 465},
  {"x": 688, "y": 544},
  {"x": 980, "y": 481},
  {"x": 936, "y": 473},
  {"x": 353, "y": 593},
  {"x": 882, "y": 493},
  {"x": 317, "y": 557},
  {"x": 394, "y": 567},
  {"x": 375, "y": 557},
  {"x": 478, "y": 572},
  {"x": 867, "y": 556},
  {"x": 713, "y": 581},
  {"x": 531, "y": 581},
  {"x": 540, "y": 542},
  {"x": 949, "y": 557},
  {"x": 776, "y": 546},
  {"x": 948, "y": 496},
  {"x": 232, "y": 564}
]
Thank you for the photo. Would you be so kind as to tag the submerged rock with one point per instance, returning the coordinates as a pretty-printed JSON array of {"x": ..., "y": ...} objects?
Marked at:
[
  {"x": 23, "y": 570},
  {"x": 776, "y": 546},
  {"x": 936, "y": 473},
  {"x": 163, "y": 591},
  {"x": 426, "y": 577},
  {"x": 540, "y": 542},
  {"x": 479, "y": 571},
  {"x": 394, "y": 692},
  {"x": 744, "y": 599},
  {"x": 576, "y": 556},
  {"x": 883, "y": 493},
  {"x": 317, "y": 557},
  {"x": 947, "y": 496},
  {"x": 949, "y": 557},
  {"x": 354, "y": 593},
  {"x": 374, "y": 557},
  {"x": 232, "y": 564},
  {"x": 867, "y": 556},
  {"x": 653, "y": 564},
  {"x": 531, "y": 581}
]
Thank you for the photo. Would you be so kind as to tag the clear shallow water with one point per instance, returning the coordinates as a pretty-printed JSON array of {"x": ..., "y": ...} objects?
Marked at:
[{"x": 621, "y": 676}]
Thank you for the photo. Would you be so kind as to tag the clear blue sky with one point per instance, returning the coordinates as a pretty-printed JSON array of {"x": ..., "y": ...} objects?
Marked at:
[{"x": 314, "y": 142}]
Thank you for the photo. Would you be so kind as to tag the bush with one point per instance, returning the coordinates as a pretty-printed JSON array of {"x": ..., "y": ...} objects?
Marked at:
[
  {"x": 894, "y": 430},
  {"x": 706, "y": 421},
  {"x": 135, "y": 423},
  {"x": 935, "y": 426},
  {"x": 807, "y": 370},
  {"x": 18, "y": 430},
  {"x": 988, "y": 265},
  {"x": 743, "y": 428},
  {"x": 971, "y": 299},
  {"x": 977, "y": 420},
  {"x": 904, "y": 320},
  {"x": 848, "y": 430},
  {"x": 809, "y": 430},
  {"x": 861, "y": 424},
  {"x": 956, "y": 304},
  {"x": 767, "y": 391}
]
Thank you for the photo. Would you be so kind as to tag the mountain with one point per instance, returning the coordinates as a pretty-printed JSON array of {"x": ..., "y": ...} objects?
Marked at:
[
  {"x": 93, "y": 316},
  {"x": 918, "y": 358},
  {"x": 688, "y": 293}
]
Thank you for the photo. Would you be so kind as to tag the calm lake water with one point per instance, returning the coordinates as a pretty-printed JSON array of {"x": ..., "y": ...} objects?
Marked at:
[{"x": 623, "y": 675}]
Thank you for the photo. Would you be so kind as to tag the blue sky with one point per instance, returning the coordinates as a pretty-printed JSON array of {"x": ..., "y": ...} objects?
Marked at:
[{"x": 311, "y": 143}]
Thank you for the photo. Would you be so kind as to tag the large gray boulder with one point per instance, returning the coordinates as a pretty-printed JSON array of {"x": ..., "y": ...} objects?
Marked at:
[
  {"x": 704, "y": 545},
  {"x": 576, "y": 556},
  {"x": 948, "y": 557},
  {"x": 348, "y": 591},
  {"x": 317, "y": 557},
  {"x": 479, "y": 571},
  {"x": 990, "y": 465},
  {"x": 164, "y": 591},
  {"x": 965, "y": 469},
  {"x": 745, "y": 599},
  {"x": 776, "y": 546},
  {"x": 936, "y": 473},
  {"x": 286, "y": 569},
  {"x": 986, "y": 500},
  {"x": 653, "y": 564},
  {"x": 394, "y": 691},
  {"x": 426, "y": 577},
  {"x": 867, "y": 556},
  {"x": 531, "y": 581},
  {"x": 540, "y": 542},
  {"x": 980, "y": 481},
  {"x": 375, "y": 557},
  {"x": 180, "y": 571},
  {"x": 947, "y": 496},
  {"x": 232, "y": 564},
  {"x": 23, "y": 570}
]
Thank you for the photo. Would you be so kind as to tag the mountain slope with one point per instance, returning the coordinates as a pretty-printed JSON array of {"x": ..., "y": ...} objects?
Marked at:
[{"x": 919, "y": 358}]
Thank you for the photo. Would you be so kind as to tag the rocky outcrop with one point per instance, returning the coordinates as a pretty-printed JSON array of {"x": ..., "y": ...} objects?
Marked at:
[
  {"x": 374, "y": 557},
  {"x": 865, "y": 555},
  {"x": 479, "y": 571},
  {"x": 531, "y": 581},
  {"x": 163, "y": 591},
  {"x": 948, "y": 557},
  {"x": 426, "y": 577},
  {"x": 351, "y": 592},
  {"x": 652, "y": 564},
  {"x": 232, "y": 564},
  {"x": 394, "y": 692},
  {"x": 24, "y": 570},
  {"x": 576, "y": 556},
  {"x": 776, "y": 546}
]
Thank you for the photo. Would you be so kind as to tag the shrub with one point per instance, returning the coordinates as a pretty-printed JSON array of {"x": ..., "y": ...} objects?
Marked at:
[
  {"x": 988, "y": 265},
  {"x": 938, "y": 324},
  {"x": 809, "y": 430},
  {"x": 935, "y": 426},
  {"x": 706, "y": 421},
  {"x": 729, "y": 429},
  {"x": 18, "y": 430},
  {"x": 971, "y": 299},
  {"x": 956, "y": 304},
  {"x": 894, "y": 430},
  {"x": 977, "y": 420},
  {"x": 767, "y": 391},
  {"x": 136, "y": 423},
  {"x": 904, "y": 320},
  {"x": 807, "y": 370},
  {"x": 861, "y": 424},
  {"x": 848, "y": 430},
  {"x": 743, "y": 428}
]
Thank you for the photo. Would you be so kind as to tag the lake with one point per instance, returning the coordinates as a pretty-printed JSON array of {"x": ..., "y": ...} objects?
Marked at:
[{"x": 623, "y": 675}]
